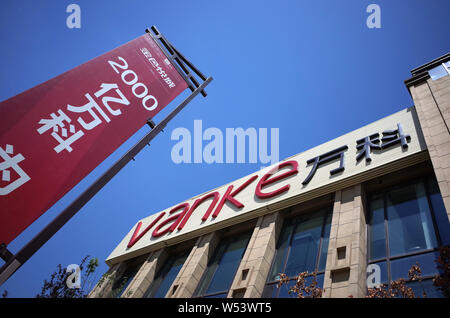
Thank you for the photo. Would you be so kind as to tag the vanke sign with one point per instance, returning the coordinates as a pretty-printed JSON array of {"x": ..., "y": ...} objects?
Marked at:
[{"x": 358, "y": 156}]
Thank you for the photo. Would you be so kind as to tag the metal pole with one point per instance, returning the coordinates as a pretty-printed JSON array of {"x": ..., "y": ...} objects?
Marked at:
[{"x": 44, "y": 235}]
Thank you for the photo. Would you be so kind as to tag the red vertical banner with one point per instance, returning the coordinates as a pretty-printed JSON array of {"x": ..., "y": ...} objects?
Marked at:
[{"x": 54, "y": 134}]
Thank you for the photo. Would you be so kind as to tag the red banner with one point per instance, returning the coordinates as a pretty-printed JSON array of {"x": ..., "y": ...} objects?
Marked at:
[{"x": 53, "y": 135}]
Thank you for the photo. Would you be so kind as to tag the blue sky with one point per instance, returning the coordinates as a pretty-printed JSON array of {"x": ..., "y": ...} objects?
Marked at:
[{"x": 313, "y": 69}]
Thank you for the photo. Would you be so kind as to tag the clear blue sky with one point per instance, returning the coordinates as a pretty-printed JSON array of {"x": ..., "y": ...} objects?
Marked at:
[{"x": 310, "y": 68}]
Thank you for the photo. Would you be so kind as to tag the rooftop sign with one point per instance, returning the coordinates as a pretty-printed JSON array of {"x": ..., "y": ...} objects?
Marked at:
[{"x": 364, "y": 150}]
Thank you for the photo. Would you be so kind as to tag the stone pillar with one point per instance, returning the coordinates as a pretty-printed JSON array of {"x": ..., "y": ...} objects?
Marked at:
[
  {"x": 193, "y": 268},
  {"x": 144, "y": 277},
  {"x": 345, "y": 273},
  {"x": 252, "y": 272},
  {"x": 432, "y": 102}
]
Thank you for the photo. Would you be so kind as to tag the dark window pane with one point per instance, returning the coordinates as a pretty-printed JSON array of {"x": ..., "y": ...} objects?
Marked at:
[
  {"x": 222, "y": 269},
  {"x": 122, "y": 283},
  {"x": 400, "y": 267},
  {"x": 377, "y": 235},
  {"x": 440, "y": 213},
  {"x": 426, "y": 286},
  {"x": 325, "y": 241},
  {"x": 209, "y": 273},
  {"x": 280, "y": 257},
  {"x": 164, "y": 279},
  {"x": 283, "y": 290},
  {"x": 409, "y": 220},
  {"x": 305, "y": 245},
  {"x": 270, "y": 291},
  {"x": 228, "y": 265}
]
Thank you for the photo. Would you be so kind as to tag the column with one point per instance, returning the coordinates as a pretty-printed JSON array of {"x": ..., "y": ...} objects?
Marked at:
[
  {"x": 144, "y": 277},
  {"x": 432, "y": 103},
  {"x": 195, "y": 265},
  {"x": 345, "y": 273},
  {"x": 254, "y": 268}
]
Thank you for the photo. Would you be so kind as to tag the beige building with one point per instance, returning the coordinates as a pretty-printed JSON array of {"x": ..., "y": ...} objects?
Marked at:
[{"x": 358, "y": 210}]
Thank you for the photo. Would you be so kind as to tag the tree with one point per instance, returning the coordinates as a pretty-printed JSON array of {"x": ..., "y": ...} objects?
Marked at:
[
  {"x": 397, "y": 288},
  {"x": 58, "y": 287},
  {"x": 442, "y": 281},
  {"x": 301, "y": 288}
]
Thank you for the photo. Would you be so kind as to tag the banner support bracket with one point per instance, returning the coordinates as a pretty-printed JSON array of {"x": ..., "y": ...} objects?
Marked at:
[{"x": 5, "y": 254}]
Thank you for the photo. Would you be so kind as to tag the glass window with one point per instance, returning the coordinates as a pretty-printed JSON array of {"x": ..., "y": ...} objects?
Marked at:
[
  {"x": 125, "y": 279},
  {"x": 302, "y": 246},
  {"x": 401, "y": 266},
  {"x": 412, "y": 220},
  {"x": 409, "y": 220},
  {"x": 272, "y": 290},
  {"x": 222, "y": 268},
  {"x": 437, "y": 205},
  {"x": 377, "y": 248},
  {"x": 426, "y": 286},
  {"x": 282, "y": 250},
  {"x": 325, "y": 241},
  {"x": 165, "y": 277},
  {"x": 447, "y": 66},
  {"x": 438, "y": 72}
]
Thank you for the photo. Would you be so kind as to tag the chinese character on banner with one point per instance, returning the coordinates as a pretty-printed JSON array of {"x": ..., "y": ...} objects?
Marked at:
[
  {"x": 11, "y": 163},
  {"x": 327, "y": 157},
  {"x": 92, "y": 105},
  {"x": 58, "y": 124},
  {"x": 390, "y": 138}
]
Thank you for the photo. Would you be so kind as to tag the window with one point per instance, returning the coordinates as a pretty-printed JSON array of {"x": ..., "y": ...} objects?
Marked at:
[
  {"x": 121, "y": 283},
  {"x": 440, "y": 71},
  {"x": 219, "y": 275},
  {"x": 406, "y": 225},
  {"x": 166, "y": 275},
  {"x": 302, "y": 246}
]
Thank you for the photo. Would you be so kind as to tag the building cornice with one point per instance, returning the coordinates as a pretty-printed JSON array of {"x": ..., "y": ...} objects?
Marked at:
[{"x": 420, "y": 74}]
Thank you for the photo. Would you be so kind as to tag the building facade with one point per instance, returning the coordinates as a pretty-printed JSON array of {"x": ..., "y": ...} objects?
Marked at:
[{"x": 360, "y": 209}]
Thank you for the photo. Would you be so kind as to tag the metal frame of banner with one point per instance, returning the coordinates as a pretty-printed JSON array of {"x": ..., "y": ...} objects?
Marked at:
[{"x": 185, "y": 69}]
